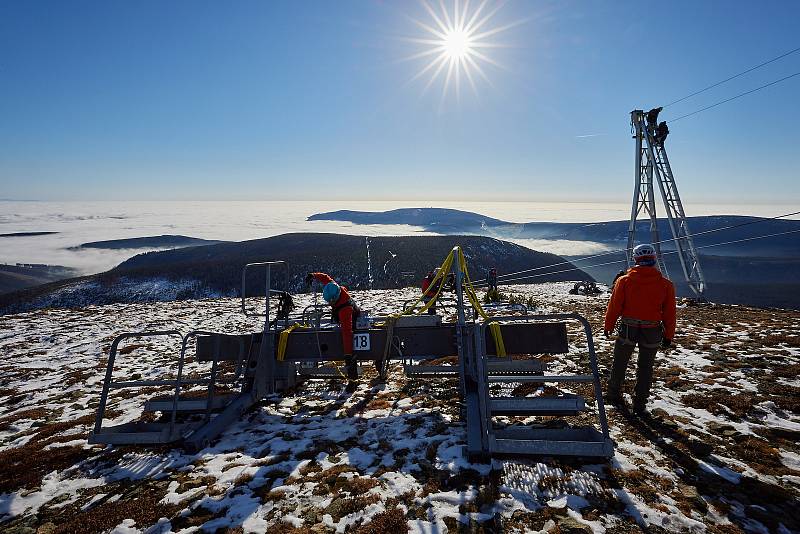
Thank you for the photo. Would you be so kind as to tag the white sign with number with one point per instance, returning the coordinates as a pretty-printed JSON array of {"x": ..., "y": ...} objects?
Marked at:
[{"x": 360, "y": 341}]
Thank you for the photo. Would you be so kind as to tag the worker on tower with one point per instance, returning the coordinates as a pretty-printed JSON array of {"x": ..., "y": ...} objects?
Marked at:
[
  {"x": 652, "y": 119},
  {"x": 646, "y": 302},
  {"x": 662, "y": 132},
  {"x": 344, "y": 312},
  {"x": 428, "y": 292}
]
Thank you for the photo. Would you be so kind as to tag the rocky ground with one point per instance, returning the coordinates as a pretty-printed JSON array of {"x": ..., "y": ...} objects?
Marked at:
[{"x": 719, "y": 451}]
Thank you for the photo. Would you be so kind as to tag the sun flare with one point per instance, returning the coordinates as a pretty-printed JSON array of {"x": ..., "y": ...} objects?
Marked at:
[{"x": 455, "y": 43}]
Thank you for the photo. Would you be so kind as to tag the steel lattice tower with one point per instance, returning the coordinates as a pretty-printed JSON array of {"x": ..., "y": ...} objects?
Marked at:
[{"x": 652, "y": 161}]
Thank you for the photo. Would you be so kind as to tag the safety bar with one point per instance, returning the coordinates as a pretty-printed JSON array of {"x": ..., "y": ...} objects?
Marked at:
[
  {"x": 215, "y": 359},
  {"x": 587, "y": 329},
  {"x": 177, "y": 383},
  {"x": 315, "y": 312},
  {"x": 112, "y": 356},
  {"x": 214, "y": 363},
  {"x": 505, "y": 306},
  {"x": 268, "y": 291},
  {"x": 442, "y": 302}
]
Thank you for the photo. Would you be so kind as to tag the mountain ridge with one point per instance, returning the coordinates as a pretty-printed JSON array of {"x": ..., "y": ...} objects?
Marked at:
[
  {"x": 704, "y": 228},
  {"x": 216, "y": 270}
]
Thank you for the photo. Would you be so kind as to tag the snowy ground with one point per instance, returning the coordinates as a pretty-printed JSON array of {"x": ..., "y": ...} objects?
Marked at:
[{"x": 719, "y": 452}]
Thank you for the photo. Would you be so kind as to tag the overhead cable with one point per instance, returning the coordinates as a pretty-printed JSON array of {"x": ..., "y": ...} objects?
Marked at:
[
  {"x": 663, "y": 254},
  {"x": 751, "y": 69},
  {"x": 734, "y": 97},
  {"x": 617, "y": 251}
]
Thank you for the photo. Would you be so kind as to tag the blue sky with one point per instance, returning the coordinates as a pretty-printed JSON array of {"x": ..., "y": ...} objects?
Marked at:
[{"x": 307, "y": 100}]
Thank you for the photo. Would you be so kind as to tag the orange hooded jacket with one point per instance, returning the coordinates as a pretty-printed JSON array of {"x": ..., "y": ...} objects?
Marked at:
[
  {"x": 345, "y": 313},
  {"x": 643, "y": 293}
]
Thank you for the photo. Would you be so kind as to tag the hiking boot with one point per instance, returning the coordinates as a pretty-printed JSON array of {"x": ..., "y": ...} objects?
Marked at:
[
  {"x": 351, "y": 386},
  {"x": 352, "y": 370},
  {"x": 615, "y": 400},
  {"x": 640, "y": 410}
]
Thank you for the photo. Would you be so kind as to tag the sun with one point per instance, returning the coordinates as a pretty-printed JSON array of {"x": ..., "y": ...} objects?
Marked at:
[{"x": 456, "y": 43}]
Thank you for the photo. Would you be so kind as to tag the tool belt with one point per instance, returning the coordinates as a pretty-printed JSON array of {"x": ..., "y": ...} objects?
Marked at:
[
  {"x": 336, "y": 309},
  {"x": 630, "y": 321},
  {"x": 625, "y": 335}
]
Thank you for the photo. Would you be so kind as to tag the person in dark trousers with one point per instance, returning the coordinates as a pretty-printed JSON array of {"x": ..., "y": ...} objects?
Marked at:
[
  {"x": 662, "y": 133},
  {"x": 645, "y": 301},
  {"x": 617, "y": 277},
  {"x": 652, "y": 120},
  {"x": 429, "y": 292},
  {"x": 344, "y": 312},
  {"x": 492, "y": 278}
]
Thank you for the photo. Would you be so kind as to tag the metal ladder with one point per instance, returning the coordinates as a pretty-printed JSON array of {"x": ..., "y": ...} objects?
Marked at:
[
  {"x": 652, "y": 160},
  {"x": 485, "y": 440}
]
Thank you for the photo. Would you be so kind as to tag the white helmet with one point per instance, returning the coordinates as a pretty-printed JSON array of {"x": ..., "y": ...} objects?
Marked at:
[{"x": 644, "y": 254}]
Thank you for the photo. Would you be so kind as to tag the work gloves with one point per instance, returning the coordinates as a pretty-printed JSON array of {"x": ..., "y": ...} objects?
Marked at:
[
  {"x": 666, "y": 343},
  {"x": 309, "y": 279}
]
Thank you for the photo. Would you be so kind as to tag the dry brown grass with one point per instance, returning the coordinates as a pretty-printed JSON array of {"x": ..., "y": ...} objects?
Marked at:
[
  {"x": 790, "y": 340},
  {"x": 760, "y": 455},
  {"x": 378, "y": 404},
  {"x": 197, "y": 517},
  {"x": 785, "y": 396},
  {"x": 286, "y": 528},
  {"x": 31, "y": 413},
  {"x": 24, "y": 466},
  {"x": 145, "y": 509},
  {"x": 355, "y": 485},
  {"x": 644, "y": 484},
  {"x": 343, "y": 507},
  {"x": 787, "y": 371},
  {"x": 127, "y": 349},
  {"x": 740, "y": 404},
  {"x": 391, "y": 521},
  {"x": 243, "y": 479}
]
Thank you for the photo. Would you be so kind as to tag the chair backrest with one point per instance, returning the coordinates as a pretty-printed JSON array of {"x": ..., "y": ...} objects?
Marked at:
[{"x": 416, "y": 342}]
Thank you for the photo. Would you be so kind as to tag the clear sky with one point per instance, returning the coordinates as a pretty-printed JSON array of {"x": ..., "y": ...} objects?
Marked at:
[{"x": 309, "y": 100}]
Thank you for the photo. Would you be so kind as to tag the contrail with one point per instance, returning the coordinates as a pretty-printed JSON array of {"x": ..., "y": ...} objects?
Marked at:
[{"x": 588, "y": 135}]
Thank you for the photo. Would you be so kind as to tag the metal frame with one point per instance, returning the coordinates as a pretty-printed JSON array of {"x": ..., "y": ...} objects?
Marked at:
[
  {"x": 442, "y": 302},
  {"x": 505, "y": 307},
  {"x": 483, "y": 440},
  {"x": 259, "y": 378},
  {"x": 313, "y": 314},
  {"x": 137, "y": 432},
  {"x": 264, "y": 375},
  {"x": 268, "y": 274},
  {"x": 652, "y": 160}
]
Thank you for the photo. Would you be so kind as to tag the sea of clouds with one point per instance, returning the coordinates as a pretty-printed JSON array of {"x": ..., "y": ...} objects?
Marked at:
[{"x": 82, "y": 222}]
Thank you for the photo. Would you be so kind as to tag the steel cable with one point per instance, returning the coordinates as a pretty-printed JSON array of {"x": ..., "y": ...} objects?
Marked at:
[
  {"x": 617, "y": 251},
  {"x": 734, "y": 97},
  {"x": 751, "y": 69},
  {"x": 663, "y": 254}
]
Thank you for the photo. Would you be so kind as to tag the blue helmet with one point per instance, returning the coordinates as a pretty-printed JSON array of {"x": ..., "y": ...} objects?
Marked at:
[{"x": 331, "y": 292}]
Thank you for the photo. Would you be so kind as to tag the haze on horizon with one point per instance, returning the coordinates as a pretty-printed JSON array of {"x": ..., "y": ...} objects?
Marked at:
[{"x": 319, "y": 101}]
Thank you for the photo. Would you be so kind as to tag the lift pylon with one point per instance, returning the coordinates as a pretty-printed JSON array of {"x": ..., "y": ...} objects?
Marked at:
[{"x": 652, "y": 162}]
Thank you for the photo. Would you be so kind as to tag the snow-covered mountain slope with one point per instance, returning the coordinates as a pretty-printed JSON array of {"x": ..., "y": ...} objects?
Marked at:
[
  {"x": 718, "y": 454},
  {"x": 359, "y": 262}
]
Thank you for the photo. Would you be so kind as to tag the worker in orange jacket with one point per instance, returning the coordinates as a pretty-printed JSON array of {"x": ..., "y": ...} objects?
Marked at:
[
  {"x": 428, "y": 292},
  {"x": 344, "y": 312},
  {"x": 645, "y": 301}
]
